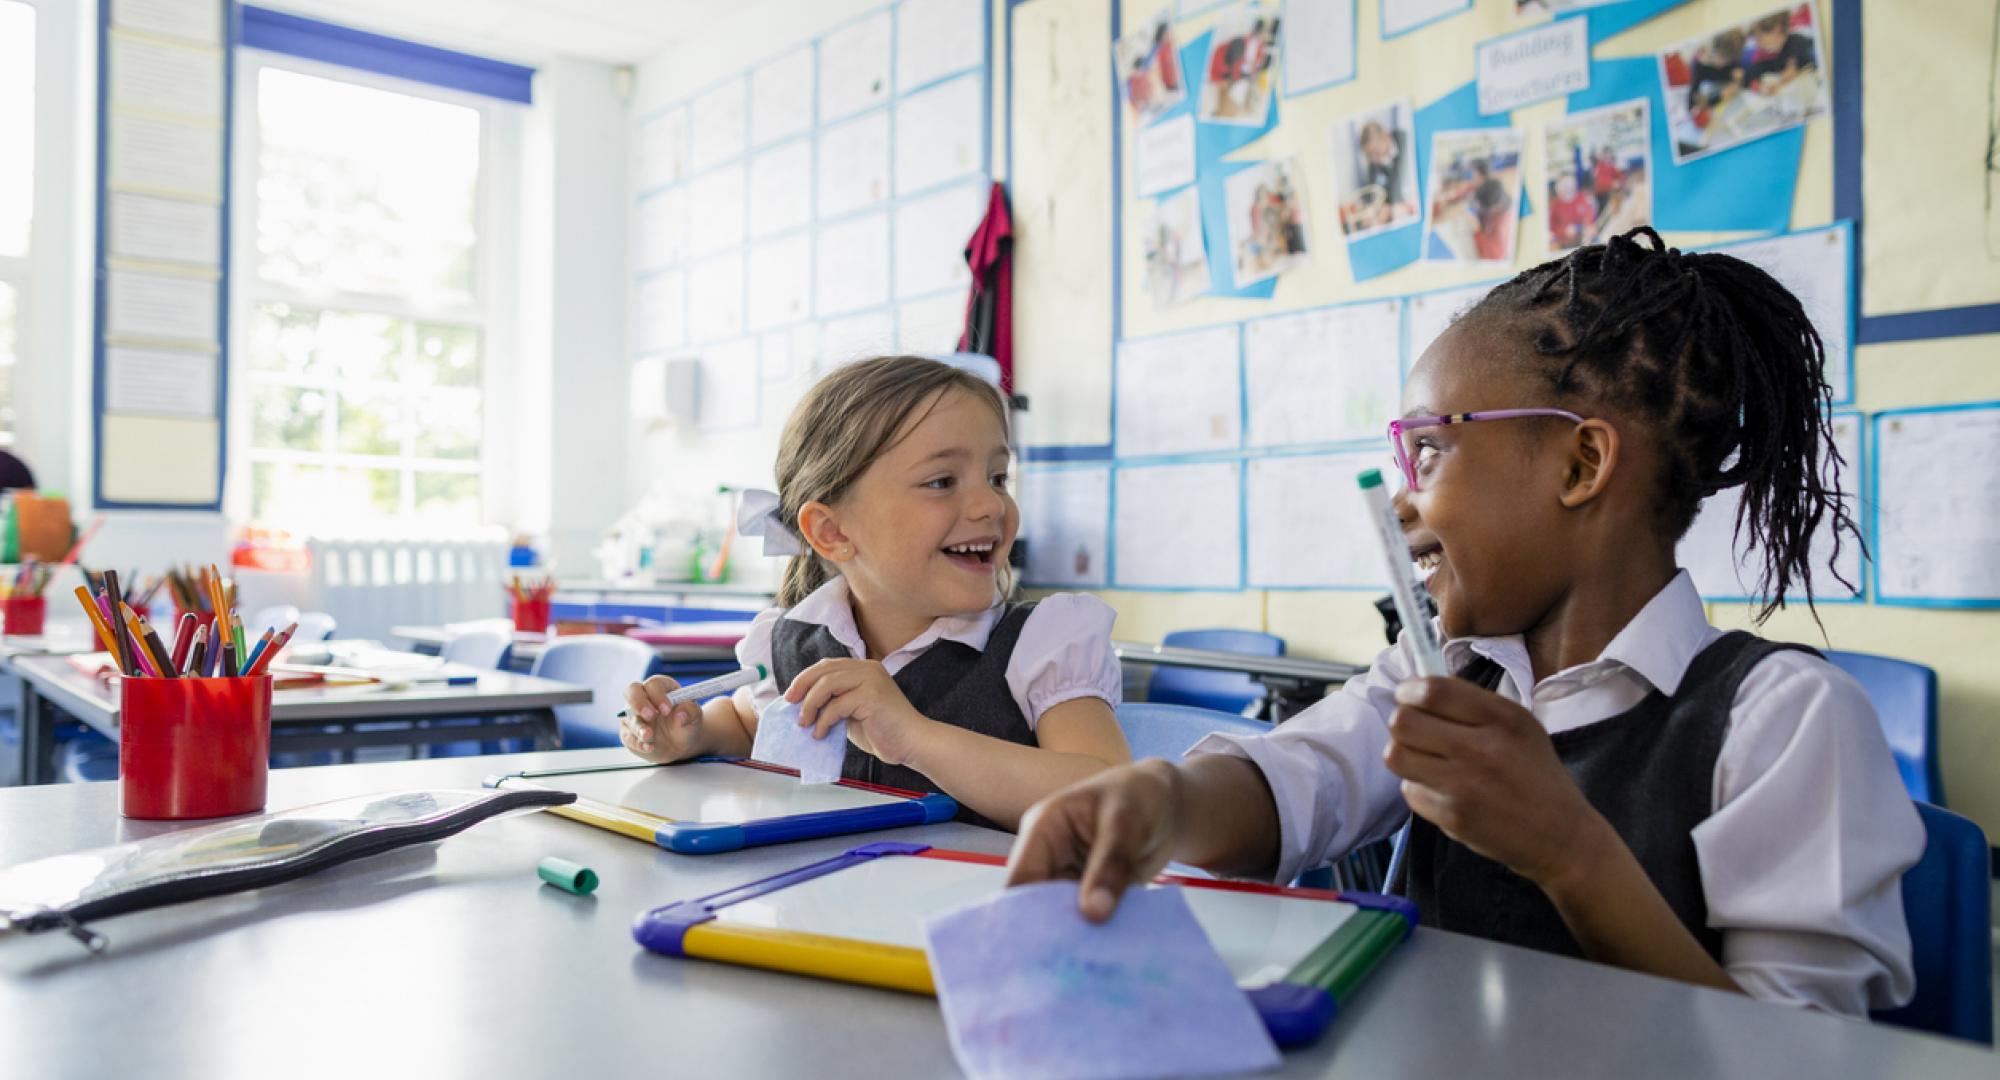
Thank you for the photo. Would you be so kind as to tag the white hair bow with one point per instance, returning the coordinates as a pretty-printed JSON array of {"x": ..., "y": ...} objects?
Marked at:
[{"x": 757, "y": 515}]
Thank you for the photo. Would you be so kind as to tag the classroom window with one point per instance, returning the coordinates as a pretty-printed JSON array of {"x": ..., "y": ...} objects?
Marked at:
[
  {"x": 367, "y": 327},
  {"x": 17, "y": 189}
]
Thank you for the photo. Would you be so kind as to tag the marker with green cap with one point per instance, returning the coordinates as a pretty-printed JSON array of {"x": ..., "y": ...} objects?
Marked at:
[
  {"x": 721, "y": 684},
  {"x": 1402, "y": 579},
  {"x": 568, "y": 876}
]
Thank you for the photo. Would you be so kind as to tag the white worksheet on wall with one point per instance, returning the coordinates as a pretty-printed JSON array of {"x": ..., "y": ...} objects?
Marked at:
[
  {"x": 1726, "y": 568},
  {"x": 1306, "y": 524},
  {"x": 729, "y": 385},
  {"x": 1402, "y": 16},
  {"x": 781, "y": 97},
  {"x": 781, "y": 188},
  {"x": 662, "y": 239},
  {"x": 1163, "y": 156},
  {"x": 854, "y": 165},
  {"x": 854, "y": 67},
  {"x": 163, "y": 76},
  {"x": 158, "y": 156},
  {"x": 190, "y": 20},
  {"x": 715, "y": 210},
  {"x": 1178, "y": 393},
  {"x": 141, "y": 305},
  {"x": 171, "y": 230},
  {"x": 663, "y": 150},
  {"x": 1818, "y": 267},
  {"x": 1431, "y": 313},
  {"x": 940, "y": 133},
  {"x": 931, "y": 235},
  {"x": 1327, "y": 375},
  {"x": 935, "y": 38},
  {"x": 160, "y": 382},
  {"x": 660, "y": 321},
  {"x": 719, "y": 123},
  {"x": 1938, "y": 480},
  {"x": 715, "y": 296},
  {"x": 930, "y": 326},
  {"x": 1066, "y": 518},
  {"x": 1319, "y": 44},
  {"x": 1176, "y": 526},
  {"x": 852, "y": 260},
  {"x": 780, "y": 281}
]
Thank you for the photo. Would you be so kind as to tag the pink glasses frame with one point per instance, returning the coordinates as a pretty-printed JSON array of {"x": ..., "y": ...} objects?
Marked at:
[{"x": 1407, "y": 423}]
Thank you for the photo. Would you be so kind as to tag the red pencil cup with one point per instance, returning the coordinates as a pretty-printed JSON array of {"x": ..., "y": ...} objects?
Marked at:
[
  {"x": 194, "y": 748},
  {"x": 531, "y": 616},
  {"x": 23, "y": 615}
]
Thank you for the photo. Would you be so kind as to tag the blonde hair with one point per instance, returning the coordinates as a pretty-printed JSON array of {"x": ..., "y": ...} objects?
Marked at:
[{"x": 846, "y": 421}]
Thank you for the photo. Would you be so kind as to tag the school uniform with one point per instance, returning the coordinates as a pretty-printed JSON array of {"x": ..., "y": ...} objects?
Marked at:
[
  {"x": 1751, "y": 780},
  {"x": 995, "y": 671}
]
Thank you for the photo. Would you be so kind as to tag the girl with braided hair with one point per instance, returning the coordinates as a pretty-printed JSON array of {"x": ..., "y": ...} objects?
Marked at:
[{"x": 1608, "y": 776}]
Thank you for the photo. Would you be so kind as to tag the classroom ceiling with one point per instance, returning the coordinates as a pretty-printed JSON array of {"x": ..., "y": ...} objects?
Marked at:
[{"x": 609, "y": 31}]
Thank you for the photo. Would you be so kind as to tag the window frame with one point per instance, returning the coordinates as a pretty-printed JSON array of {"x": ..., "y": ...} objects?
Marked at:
[
  {"x": 490, "y": 312},
  {"x": 17, "y": 272}
]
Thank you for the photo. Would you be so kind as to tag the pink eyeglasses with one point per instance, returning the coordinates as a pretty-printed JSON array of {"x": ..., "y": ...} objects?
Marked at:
[{"x": 1406, "y": 461}]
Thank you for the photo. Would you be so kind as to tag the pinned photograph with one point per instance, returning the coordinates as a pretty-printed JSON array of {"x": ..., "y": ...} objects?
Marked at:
[
  {"x": 1598, "y": 165},
  {"x": 1475, "y": 196},
  {"x": 1525, "y": 8},
  {"x": 1750, "y": 79},
  {"x": 1237, "y": 89},
  {"x": 1149, "y": 70},
  {"x": 1176, "y": 256},
  {"x": 1267, "y": 220},
  {"x": 1375, "y": 170}
]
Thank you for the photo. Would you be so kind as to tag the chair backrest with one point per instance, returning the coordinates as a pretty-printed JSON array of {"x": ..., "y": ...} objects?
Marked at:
[
  {"x": 606, "y": 664},
  {"x": 1905, "y": 697},
  {"x": 274, "y": 618},
  {"x": 315, "y": 626},
  {"x": 1948, "y": 901},
  {"x": 477, "y": 648},
  {"x": 1229, "y": 691},
  {"x": 1167, "y": 731}
]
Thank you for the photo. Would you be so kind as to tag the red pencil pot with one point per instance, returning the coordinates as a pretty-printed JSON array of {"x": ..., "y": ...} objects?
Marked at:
[
  {"x": 531, "y": 616},
  {"x": 23, "y": 614},
  {"x": 194, "y": 748}
]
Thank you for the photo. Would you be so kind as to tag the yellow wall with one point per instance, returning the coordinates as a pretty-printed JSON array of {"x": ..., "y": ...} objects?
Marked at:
[{"x": 1063, "y": 358}]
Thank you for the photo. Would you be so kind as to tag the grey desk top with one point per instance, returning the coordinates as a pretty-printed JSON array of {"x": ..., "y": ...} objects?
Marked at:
[
  {"x": 55, "y": 678},
  {"x": 454, "y": 961},
  {"x": 59, "y": 637},
  {"x": 1289, "y": 667},
  {"x": 529, "y": 646}
]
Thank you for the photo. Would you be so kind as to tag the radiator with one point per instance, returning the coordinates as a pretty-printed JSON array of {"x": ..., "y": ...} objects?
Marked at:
[{"x": 369, "y": 586}]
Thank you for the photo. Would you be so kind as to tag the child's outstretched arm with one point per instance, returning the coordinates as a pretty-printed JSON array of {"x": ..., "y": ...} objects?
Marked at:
[
  {"x": 658, "y": 731},
  {"x": 1482, "y": 769},
  {"x": 996, "y": 778},
  {"x": 1119, "y": 828}
]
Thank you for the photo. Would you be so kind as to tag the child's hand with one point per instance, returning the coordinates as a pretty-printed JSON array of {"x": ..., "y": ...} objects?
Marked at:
[
  {"x": 1111, "y": 831},
  {"x": 655, "y": 730},
  {"x": 879, "y": 718},
  {"x": 1483, "y": 769}
]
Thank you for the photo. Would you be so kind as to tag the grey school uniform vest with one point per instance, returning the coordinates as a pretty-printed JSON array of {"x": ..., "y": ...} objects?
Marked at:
[
  {"x": 1650, "y": 771},
  {"x": 951, "y": 682}
]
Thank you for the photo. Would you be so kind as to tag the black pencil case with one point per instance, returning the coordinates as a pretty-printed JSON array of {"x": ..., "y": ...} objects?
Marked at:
[{"x": 67, "y": 892}]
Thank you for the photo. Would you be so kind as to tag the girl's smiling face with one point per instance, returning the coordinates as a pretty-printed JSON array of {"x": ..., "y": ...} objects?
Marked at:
[
  {"x": 1488, "y": 530},
  {"x": 929, "y": 524}
]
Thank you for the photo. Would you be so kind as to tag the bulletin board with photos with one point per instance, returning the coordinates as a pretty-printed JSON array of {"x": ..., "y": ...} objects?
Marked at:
[
  {"x": 814, "y": 207},
  {"x": 1267, "y": 170}
]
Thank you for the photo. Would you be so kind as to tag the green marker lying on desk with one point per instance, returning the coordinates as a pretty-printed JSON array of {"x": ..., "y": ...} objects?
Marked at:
[{"x": 708, "y": 688}]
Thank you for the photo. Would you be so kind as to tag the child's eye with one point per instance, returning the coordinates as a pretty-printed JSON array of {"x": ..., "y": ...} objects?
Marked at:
[
  {"x": 938, "y": 483},
  {"x": 1427, "y": 452},
  {"x": 1000, "y": 479}
]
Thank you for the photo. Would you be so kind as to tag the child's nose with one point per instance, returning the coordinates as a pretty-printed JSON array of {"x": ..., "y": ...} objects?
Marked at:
[{"x": 1406, "y": 511}]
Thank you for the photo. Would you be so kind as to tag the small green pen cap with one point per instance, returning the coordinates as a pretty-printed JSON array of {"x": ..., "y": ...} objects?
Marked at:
[
  {"x": 1370, "y": 478},
  {"x": 567, "y": 876}
]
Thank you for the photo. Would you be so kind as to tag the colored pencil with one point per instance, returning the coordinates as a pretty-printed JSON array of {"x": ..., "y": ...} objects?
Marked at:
[
  {"x": 159, "y": 650},
  {"x": 131, "y": 622},
  {"x": 91, "y": 609},
  {"x": 184, "y": 639},
  {"x": 111, "y": 593}
]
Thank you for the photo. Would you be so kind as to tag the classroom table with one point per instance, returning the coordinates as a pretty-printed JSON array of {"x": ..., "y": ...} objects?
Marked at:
[
  {"x": 683, "y": 592},
  {"x": 454, "y": 960},
  {"x": 705, "y": 642},
  {"x": 501, "y": 705},
  {"x": 1295, "y": 682}
]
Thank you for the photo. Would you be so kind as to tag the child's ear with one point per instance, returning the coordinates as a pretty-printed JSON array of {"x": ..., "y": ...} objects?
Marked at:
[
  {"x": 819, "y": 526},
  {"x": 1593, "y": 458}
]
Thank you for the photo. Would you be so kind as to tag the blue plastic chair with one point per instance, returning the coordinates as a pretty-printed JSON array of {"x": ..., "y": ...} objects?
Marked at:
[
  {"x": 1227, "y": 691},
  {"x": 1905, "y": 697},
  {"x": 87, "y": 758},
  {"x": 1167, "y": 731},
  {"x": 1947, "y": 898},
  {"x": 482, "y": 649},
  {"x": 606, "y": 664}
]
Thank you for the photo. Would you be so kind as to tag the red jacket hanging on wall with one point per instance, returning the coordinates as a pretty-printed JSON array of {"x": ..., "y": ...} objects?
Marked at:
[{"x": 989, "y": 310}]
